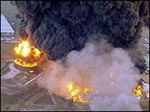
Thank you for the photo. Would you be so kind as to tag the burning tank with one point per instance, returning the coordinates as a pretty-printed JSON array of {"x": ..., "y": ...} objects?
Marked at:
[
  {"x": 24, "y": 70},
  {"x": 27, "y": 56}
]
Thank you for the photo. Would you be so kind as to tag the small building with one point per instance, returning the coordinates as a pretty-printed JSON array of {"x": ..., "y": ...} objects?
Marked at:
[{"x": 7, "y": 32}]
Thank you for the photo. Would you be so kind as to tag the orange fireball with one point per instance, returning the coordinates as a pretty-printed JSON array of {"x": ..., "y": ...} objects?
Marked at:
[{"x": 27, "y": 55}]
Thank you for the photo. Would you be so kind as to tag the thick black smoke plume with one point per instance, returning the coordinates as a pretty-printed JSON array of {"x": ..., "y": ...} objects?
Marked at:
[{"x": 62, "y": 26}]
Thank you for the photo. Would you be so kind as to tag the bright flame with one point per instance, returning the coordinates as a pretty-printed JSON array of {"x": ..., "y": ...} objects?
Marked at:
[
  {"x": 37, "y": 52},
  {"x": 28, "y": 53},
  {"x": 23, "y": 49},
  {"x": 25, "y": 64},
  {"x": 86, "y": 90},
  {"x": 31, "y": 71},
  {"x": 138, "y": 90},
  {"x": 76, "y": 92}
]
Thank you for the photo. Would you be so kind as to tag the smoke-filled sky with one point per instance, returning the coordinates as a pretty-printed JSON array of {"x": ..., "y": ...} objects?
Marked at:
[{"x": 62, "y": 26}]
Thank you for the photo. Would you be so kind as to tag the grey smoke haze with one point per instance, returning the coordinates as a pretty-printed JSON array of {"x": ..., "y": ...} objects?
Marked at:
[
  {"x": 121, "y": 102},
  {"x": 62, "y": 26},
  {"x": 91, "y": 67}
]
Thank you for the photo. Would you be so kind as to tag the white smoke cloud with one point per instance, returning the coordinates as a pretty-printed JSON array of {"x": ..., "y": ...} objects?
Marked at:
[
  {"x": 122, "y": 102},
  {"x": 109, "y": 72}
]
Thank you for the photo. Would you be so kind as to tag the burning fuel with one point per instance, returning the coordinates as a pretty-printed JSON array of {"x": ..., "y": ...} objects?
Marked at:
[
  {"x": 76, "y": 92},
  {"x": 138, "y": 90},
  {"x": 25, "y": 64},
  {"x": 23, "y": 49},
  {"x": 27, "y": 56},
  {"x": 31, "y": 71}
]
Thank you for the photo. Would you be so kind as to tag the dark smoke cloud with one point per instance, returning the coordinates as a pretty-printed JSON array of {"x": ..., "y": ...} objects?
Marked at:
[
  {"x": 144, "y": 12},
  {"x": 62, "y": 26}
]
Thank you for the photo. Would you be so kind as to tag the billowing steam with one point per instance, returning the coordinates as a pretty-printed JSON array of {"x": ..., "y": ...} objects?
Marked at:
[
  {"x": 62, "y": 26},
  {"x": 111, "y": 75}
]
